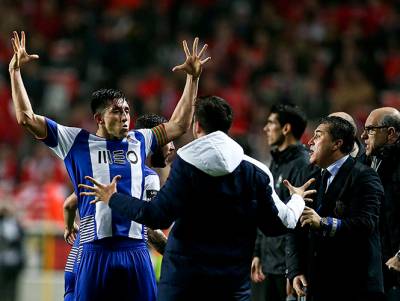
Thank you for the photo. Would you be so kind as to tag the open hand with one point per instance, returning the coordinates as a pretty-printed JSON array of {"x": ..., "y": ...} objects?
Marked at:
[
  {"x": 100, "y": 191},
  {"x": 301, "y": 190},
  {"x": 193, "y": 64},
  {"x": 20, "y": 57}
]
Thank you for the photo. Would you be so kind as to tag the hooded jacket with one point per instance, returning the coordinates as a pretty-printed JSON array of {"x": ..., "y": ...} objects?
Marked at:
[{"x": 217, "y": 197}]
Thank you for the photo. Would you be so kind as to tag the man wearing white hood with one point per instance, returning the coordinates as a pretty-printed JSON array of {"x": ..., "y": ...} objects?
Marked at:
[{"x": 217, "y": 197}]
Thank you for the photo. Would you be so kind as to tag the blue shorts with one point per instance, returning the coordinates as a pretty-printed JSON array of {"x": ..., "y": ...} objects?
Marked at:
[
  {"x": 69, "y": 286},
  {"x": 115, "y": 268},
  {"x": 70, "y": 273}
]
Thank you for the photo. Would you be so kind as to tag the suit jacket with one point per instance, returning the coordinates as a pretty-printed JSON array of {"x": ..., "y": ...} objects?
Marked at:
[
  {"x": 346, "y": 263},
  {"x": 216, "y": 197}
]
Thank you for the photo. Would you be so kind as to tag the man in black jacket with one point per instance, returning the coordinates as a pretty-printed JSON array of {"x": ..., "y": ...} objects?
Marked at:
[
  {"x": 217, "y": 197},
  {"x": 338, "y": 245},
  {"x": 284, "y": 128},
  {"x": 382, "y": 138}
]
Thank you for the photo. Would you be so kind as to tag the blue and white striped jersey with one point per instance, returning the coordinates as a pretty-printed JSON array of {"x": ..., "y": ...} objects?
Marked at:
[
  {"x": 151, "y": 188},
  {"x": 85, "y": 154}
]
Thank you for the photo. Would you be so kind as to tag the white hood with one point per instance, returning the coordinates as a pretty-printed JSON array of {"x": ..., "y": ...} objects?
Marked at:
[{"x": 215, "y": 154}]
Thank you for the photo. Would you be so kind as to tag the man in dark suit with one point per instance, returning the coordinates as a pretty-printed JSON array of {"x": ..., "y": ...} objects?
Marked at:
[
  {"x": 217, "y": 197},
  {"x": 337, "y": 247}
]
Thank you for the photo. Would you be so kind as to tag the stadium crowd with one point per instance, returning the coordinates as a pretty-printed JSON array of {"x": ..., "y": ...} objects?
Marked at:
[{"x": 323, "y": 56}]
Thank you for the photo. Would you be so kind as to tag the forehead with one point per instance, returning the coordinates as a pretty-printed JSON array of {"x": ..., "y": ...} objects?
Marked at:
[
  {"x": 322, "y": 128},
  {"x": 373, "y": 119},
  {"x": 273, "y": 117},
  {"x": 118, "y": 103}
]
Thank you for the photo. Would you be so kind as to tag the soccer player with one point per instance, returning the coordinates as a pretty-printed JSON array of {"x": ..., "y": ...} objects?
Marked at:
[
  {"x": 115, "y": 263},
  {"x": 217, "y": 197},
  {"x": 155, "y": 238}
]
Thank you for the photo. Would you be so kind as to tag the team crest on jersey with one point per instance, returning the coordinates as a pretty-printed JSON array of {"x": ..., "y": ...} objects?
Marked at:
[
  {"x": 132, "y": 157},
  {"x": 150, "y": 194}
]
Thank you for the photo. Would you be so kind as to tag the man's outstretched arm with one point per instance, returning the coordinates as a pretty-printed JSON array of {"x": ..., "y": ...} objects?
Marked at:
[
  {"x": 182, "y": 115},
  {"x": 35, "y": 124}
]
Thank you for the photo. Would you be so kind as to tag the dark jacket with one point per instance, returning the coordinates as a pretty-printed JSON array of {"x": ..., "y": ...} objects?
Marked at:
[
  {"x": 389, "y": 172},
  {"x": 217, "y": 198},
  {"x": 284, "y": 165},
  {"x": 347, "y": 264}
]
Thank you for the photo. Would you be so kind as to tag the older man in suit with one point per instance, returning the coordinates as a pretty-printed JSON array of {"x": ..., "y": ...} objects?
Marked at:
[{"x": 337, "y": 247}]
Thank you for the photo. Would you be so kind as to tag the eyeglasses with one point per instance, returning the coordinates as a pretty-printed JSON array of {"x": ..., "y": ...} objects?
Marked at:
[{"x": 371, "y": 130}]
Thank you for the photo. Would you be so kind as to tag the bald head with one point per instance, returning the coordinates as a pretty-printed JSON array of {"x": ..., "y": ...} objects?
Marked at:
[
  {"x": 346, "y": 117},
  {"x": 381, "y": 113},
  {"x": 385, "y": 125}
]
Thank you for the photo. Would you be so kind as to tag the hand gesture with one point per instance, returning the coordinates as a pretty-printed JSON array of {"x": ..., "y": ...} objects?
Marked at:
[
  {"x": 20, "y": 57},
  {"x": 393, "y": 263},
  {"x": 193, "y": 64},
  {"x": 257, "y": 274},
  {"x": 310, "y": 217},
  {"x": 70, "y": 234},
  {"x": 300, "y": 285},
  {"x": 100, "y": 191},
  {"x": 301, "y": 190}
]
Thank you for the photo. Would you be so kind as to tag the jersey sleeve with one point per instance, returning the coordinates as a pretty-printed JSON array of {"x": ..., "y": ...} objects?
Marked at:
[
  {"x": 150, "y": 140},
  {"x": 151, "y": 186},
  {"x": 60, "y": 138}
]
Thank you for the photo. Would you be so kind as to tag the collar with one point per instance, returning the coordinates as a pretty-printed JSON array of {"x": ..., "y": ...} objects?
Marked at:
[{"x": 335, "y": 166}]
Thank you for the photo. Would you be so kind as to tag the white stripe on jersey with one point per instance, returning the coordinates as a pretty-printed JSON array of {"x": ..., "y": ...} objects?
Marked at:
[
  {"x": 66, "y": 138},
  {"x": 101, "y": 172}
]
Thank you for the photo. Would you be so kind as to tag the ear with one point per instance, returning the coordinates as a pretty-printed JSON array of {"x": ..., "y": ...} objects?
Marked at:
[
  {"x": 337, "y": 144},
  {"x": 286, "y": 128},
  {"x": 392, "y": 135},
  {"x": 98, "y": 117}
]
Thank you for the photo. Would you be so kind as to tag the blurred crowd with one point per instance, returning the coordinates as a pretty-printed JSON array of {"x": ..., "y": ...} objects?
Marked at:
[{"x": 321, "y": 55}]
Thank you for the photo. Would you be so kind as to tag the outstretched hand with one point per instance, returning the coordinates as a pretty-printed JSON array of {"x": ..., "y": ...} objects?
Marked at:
[
  {"x": 100, "y": 191},
  {"x": 301, "y": 190},
  {"x": 193, "y": 64},
  {"x": 20, "y": 57}
]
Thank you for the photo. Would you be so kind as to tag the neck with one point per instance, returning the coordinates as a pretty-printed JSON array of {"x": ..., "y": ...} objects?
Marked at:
[
  {"x": 101, "y": 132},
  {"x": 335, "y": 157},
  {"x": 289, "y": 141}
]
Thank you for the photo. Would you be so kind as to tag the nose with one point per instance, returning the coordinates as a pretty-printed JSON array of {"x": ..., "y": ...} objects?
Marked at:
[
  {"x": 265, "y": 128},
  {"x": 364, "y": 135}
]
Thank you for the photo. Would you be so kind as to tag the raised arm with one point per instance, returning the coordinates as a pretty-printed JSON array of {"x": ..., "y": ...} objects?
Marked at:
[
  {"x": 35, "y": 124},
  {"x": 182, "y": 115}
]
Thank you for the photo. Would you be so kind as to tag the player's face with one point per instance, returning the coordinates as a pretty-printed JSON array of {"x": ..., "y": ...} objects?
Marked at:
[
  {"x": 117, "y": 119},
  {"x": 374, "y": 135},
  {"x": 321, "y": 146},
  {"x": 273, "y": 131}
]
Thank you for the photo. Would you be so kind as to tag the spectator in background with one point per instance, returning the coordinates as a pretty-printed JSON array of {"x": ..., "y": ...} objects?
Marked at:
[
  {"x": 382, "y": 139},
  {"x": 284, "y": 128},
  {"x": 358, "y": 150},
  {"x": 11, "y": 251},
  {"x": 336, "y": 251}
]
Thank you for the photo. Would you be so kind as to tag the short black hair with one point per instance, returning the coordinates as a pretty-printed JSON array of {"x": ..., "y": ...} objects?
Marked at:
[
  {"x": 102, "y": 98},
  {"x": 213, "y": 114},
  {"x": 148, "y": 121},
  {"x": 292, "y": 114},
  {"x": 340, "y": 128}
]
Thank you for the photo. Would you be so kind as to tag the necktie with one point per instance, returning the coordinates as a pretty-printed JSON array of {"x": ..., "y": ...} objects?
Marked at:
[{"x": 325, "y": 174}]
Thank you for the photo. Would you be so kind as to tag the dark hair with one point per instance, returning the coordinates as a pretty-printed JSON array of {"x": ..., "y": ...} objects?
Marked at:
[
  {"x": 148, "y": 121},
  {"x": 102, "y": 98},
  {"x": 213, "y": 114},
  {"x": 392, "y": 120},
  {"x": 288, "y": 113},
  {"x": 340, "y": 128}
]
